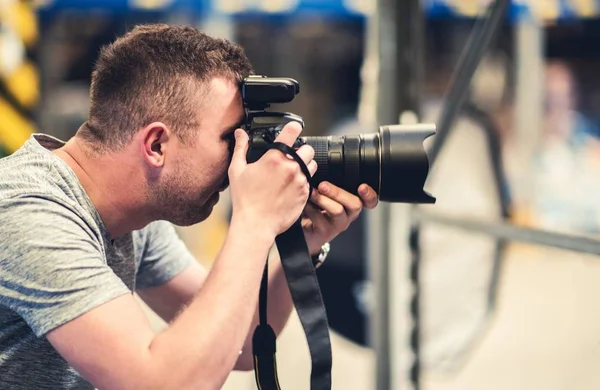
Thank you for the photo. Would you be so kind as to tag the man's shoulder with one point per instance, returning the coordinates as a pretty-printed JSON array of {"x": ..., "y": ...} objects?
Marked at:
[
  {"x": 28, "y": 170},
  {"x": 34, "y": 171},
  {"x": 36, "y": 190},
  {"x": 41, "y": 212}
]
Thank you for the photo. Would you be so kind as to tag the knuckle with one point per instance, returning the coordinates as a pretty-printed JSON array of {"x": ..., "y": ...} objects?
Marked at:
[
  {"x": 338, "y": 211},
  {"x": 356, "y": 207},
  {"x": 295, "y": 169},
  {"x": 301, "y": 180},
  {"x": 353, "y": 218},
  {"x": 290, "y": 170},
  {"x": 289, "y": 175},
  {"x": 272, "y": 158},
  {"x": 305, "y": 192}
]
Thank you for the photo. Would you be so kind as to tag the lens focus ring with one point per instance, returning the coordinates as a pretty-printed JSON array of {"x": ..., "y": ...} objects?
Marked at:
[
  {"x": 321, "y": 147},
  {"x": 351, "y": 163}
]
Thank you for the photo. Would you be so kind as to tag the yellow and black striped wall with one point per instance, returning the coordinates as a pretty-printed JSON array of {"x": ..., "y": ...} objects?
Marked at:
[{"x": 19, "y": 77}]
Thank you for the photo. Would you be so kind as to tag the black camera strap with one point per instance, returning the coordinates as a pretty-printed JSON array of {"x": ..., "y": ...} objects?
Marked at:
[{"x": 306, "y": 294}]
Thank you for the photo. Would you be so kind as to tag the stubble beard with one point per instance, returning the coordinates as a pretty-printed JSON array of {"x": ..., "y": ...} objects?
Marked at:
[{"x": 175, "y": 201}]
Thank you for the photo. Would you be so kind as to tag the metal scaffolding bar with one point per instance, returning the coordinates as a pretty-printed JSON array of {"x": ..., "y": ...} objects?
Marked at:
[
  {"x": 399, "y": 35},
  {"x": 507, "y": 231},
  {"x": 481, "y": 37}
]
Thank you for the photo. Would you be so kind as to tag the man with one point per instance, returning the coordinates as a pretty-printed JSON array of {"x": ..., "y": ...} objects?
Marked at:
[{"x": 85, "y": 223}]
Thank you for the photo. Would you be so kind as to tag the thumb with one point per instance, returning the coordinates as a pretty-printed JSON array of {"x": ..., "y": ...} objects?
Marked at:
[{"x": 240, "y": 149}]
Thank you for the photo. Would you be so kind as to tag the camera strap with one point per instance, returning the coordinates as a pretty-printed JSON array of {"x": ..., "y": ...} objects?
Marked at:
[{"x": 304, "y": 288}]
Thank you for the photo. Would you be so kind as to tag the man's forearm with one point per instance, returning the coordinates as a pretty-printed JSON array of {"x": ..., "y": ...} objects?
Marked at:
[{"x": 202, "y": 345}]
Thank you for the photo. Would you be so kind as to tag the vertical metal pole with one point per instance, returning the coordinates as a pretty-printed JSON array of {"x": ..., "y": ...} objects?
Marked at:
[
  {"x": 398, "y": 26},
  {"x": 410, "y": 27},
  {"x": 529, "y": 103},
  {"x": 377, "y": 222},
  {"x": 409, "y": 68},
  {"x": 379, "y": 330}
]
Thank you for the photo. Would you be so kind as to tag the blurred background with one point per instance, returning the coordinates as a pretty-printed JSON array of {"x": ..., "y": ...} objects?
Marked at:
[{"x": 483, "y": 311}]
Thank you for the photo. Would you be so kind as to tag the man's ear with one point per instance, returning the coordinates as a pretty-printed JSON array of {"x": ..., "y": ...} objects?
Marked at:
[{"x": 154, "y": 142}]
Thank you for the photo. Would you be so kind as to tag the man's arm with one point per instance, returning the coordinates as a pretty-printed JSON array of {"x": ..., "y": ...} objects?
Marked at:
[
  {"x": 336, "y": 210},
  {"x": 114, "y": 347},
  {"x": 54, "y": 276},
  {"x": 170, "y": 298}
]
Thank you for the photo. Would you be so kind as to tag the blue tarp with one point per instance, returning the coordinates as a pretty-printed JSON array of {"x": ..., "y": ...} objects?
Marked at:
[
  {"x": 520, "y": 9},
  {"x": 552, "y": 9}
]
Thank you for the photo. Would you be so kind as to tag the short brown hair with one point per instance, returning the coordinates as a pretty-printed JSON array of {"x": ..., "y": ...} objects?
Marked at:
[{"x": 150, "y": 74}]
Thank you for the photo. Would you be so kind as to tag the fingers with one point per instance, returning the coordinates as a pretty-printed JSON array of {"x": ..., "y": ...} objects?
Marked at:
[
  {"x": 289, "y": 133},
  {"x": 337, "y": 202},
  {"x": 318, "y": 221},
  {"x": 240, "y": 149},
  {"x": 306, "y": 153},
  {"x": 312, "y": 167},
  {"x": 368, "y": 195}
]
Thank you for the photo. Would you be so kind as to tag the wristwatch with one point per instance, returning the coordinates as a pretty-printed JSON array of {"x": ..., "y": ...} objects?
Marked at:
[{"x": 320, "y": 258}]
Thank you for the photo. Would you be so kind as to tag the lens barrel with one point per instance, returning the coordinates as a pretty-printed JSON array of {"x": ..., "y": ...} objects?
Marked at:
[{"x": 392, "y": 161}]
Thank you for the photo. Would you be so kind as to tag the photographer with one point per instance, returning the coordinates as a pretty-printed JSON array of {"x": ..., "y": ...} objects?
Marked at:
[{"x": 87, "y": 222}]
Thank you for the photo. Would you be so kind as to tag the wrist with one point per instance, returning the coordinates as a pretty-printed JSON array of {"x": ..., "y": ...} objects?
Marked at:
[
  {"x": 314, "y": 246},
  {"x": 249, "y": 228}
]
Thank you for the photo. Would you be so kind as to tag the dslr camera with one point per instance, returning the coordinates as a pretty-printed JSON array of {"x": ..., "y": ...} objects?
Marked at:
[{"x": 392, "y": 160}]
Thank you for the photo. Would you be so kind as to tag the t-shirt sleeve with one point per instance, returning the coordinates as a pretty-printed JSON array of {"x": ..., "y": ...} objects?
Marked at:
[
  {"x": 164, "y": 255},
  {"x": 52, "y": 267}
]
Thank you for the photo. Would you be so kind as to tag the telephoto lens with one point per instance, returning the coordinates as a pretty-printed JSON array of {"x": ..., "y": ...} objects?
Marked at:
[{"x": 393, "y": 161}]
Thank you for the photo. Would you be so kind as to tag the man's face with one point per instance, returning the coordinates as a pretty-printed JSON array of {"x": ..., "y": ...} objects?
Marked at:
[{"x": 198, "y": 171}]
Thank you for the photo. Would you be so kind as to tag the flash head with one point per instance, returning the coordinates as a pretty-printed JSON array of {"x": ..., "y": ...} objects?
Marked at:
[{"x": 259, "y": 92}]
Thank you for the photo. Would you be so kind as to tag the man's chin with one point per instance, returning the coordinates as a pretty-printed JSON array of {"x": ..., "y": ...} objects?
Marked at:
[
  {"x": 195, "y": 214},
  {"x": 185, "y": 222},
  {"x": 198, "y": 215}
]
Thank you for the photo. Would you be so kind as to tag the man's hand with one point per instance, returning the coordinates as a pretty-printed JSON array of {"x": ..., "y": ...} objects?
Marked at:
[
  {"x": 331, "y": 210},
  {"x": 269, "y": 194}
]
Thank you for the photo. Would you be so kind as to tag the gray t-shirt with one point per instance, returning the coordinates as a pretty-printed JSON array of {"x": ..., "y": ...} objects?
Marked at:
[{"x": 57, "y": 261}]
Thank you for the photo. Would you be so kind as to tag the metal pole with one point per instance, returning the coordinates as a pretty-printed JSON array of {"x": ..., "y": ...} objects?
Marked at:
[
  {"x": 409, "y": 71},
  {"x": 508, "y": 231},
  {"x": 398, "y": 26},
  {"x": 529, "y": 104},
  {"x": 376, "y": 222},
  {"x": 481, "y": 37}
]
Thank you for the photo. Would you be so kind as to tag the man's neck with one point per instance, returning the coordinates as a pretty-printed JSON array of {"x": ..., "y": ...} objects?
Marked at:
[{"x": 110, "y": 183}]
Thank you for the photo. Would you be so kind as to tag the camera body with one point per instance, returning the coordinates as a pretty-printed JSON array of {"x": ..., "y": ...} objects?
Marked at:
[
  {"x": 392, "y": 160},
  {"x": 262, "y": 126}
]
